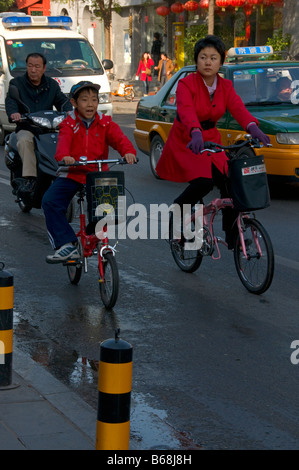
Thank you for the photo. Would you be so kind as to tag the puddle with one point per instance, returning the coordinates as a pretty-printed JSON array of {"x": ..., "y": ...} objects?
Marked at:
[
  {"x": 151, "y": 431},
  {"x": 149, "y": 428}
]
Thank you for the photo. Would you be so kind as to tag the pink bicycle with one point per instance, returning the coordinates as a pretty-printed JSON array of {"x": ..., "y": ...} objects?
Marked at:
[{"x": 253, "y": 250}]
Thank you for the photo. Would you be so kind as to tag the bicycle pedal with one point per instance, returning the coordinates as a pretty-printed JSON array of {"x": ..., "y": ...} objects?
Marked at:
[{"x": 72, "y": 262}]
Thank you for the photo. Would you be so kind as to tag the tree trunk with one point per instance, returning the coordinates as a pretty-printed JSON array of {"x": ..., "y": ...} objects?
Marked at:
[
  {"x": 211, "y": 17},
  {"x": 107, "y": 34}
]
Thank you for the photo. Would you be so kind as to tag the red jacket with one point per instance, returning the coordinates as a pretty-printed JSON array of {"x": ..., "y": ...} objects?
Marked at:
[
  {"x": 75, "y": 140},
  {"x": 177, "y": 163},
  {"x": 142, "y": 67}
]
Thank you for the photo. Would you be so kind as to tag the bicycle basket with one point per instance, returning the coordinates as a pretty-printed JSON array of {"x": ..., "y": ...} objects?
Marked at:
[
  {"x": 248, "y": 182},
  {"x": 103, "y": 191}
]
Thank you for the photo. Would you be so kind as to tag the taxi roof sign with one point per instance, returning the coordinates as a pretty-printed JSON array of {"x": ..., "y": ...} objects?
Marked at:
[{"x": 249, "y": 51}]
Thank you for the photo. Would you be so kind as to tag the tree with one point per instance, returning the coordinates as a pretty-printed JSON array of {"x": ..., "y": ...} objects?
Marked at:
[
  {"x": 6, "y": 4},
  {"x": 103, "y": 9}
]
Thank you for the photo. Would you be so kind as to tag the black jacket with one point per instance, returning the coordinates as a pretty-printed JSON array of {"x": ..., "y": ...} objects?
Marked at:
[{"x": 38, "y": 98}]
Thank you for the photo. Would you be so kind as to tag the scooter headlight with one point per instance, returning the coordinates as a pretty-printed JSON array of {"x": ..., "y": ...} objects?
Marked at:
[
  {"x": 57, "y": 121},
  {"x": 41, "y": 121}
]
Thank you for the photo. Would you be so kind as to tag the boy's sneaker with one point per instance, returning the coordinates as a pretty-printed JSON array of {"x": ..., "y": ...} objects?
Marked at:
[{"x": 64, "y": 253}]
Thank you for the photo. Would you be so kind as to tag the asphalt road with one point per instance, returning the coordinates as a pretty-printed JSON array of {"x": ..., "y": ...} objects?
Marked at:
[{"x": 212, "y": 363}]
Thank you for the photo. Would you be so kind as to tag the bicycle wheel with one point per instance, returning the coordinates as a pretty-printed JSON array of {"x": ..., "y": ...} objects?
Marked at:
[
  {"x": 75, "y": 270},
  {"x": 110, "y": 285},
  {"x": 129, "y": 94},
  {"x": 256, "y": 272},
  {"x": 187, "y": 260}
]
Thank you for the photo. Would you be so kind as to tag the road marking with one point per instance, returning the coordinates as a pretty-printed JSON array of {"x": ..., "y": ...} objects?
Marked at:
[
  {"x": 288, "y": 263},
  {"x": 2, "y": 180}
]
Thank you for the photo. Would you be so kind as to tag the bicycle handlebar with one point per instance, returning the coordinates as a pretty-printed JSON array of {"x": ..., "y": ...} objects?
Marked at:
[
  {"x": 215, "y": 148},
  {"x": 81, "y": 162}
]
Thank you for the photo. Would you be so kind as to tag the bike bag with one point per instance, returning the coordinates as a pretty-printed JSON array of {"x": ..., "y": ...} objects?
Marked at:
[
  {"x": 103, "y": 191},
  {"x": 248, "y": 182}
]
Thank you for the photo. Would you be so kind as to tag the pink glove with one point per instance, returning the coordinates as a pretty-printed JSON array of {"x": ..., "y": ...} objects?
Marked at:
[
  {"x": 196, "y": 144},
  {"x": 258, "y": 134}
]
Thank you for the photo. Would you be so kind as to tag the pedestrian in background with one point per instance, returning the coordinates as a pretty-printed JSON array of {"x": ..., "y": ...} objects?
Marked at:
[
  {"x": 165, "y": 69},
  {"x": 156, "y": 49},
  {"x": 145, "y": 71}
]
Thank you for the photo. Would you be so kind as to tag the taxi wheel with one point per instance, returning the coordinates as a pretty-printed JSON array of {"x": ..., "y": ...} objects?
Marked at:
[{"x": 157, "y": 145}]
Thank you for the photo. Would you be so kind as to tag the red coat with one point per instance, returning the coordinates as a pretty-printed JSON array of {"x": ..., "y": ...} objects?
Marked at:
[
  {"x": 75, "y": 140},
  {"x": 142, "y": 66},
  {"x": 177, "y": 163}
]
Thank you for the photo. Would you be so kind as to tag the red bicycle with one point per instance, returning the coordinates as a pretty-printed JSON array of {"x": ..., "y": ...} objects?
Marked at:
[{"x": 92, "y": 245}]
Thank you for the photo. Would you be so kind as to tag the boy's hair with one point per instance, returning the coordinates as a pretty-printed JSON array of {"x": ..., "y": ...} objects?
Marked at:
[
  {"x": 210, "y": 41},
  {"x": 36, "y": 55},
  {"x": 83, "y": 85}
]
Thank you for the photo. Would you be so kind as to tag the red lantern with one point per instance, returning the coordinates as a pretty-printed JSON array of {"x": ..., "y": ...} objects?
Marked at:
[
  {"x": 162, "y": 11},
  {"x": 177, "y": 7},
  {"x": 247, "y": 9},
  {"x": 223, "y": 3},
  {"x": 254, "y": 2},
  {"x": 203, "y": 4},
  {"x": 247, "y": 30},
  {"x": 237, "y": 3},
  {"x": 191, "y": 5}
]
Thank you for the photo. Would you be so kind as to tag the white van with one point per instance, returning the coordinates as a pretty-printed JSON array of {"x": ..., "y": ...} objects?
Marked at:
[{"x": 70, "y": 56}]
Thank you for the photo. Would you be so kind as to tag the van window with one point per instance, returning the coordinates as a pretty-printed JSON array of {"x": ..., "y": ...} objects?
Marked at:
[{"x": 71, "y": 57}]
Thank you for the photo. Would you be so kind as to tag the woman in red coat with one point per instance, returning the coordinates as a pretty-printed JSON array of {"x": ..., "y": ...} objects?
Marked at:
[
  {"x": 146, "y": 62},
  {"x": 202, "y": 99}
]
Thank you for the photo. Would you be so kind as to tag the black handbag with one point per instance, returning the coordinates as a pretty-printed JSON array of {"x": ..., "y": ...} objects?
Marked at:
[{"x": 248, "y": 182}]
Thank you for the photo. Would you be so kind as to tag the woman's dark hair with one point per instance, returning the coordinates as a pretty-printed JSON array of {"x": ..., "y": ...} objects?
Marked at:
[
  {"x": 37, "y": 54},
  {"x": 210, "y": 41}
]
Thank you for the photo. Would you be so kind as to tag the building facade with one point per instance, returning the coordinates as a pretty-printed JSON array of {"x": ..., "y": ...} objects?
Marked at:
[{"x": 134, "y": 26}]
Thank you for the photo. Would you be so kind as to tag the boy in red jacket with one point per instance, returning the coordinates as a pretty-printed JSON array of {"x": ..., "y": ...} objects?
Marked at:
[{"x": 84, "y": 132}]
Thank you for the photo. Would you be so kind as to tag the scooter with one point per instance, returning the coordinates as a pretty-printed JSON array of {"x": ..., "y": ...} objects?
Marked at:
[{"x": 45, "y": 141}]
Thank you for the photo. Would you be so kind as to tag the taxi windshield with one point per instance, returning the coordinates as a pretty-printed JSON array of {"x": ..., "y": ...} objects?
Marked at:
[
  {"x": 267, "y": 84},
  {"x": 69, "y": 57}
]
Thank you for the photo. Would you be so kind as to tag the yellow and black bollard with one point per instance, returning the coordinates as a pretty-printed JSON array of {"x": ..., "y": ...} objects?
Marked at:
[
  {"x": 6, "y": 328},
  {"x": 114, "y": 388}
]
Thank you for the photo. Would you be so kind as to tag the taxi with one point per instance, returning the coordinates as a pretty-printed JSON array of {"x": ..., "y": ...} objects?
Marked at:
[{"x": 270, "y": 91}]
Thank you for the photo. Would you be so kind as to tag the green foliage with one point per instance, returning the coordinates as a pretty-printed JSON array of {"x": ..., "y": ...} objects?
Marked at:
[
  {"x": 194, "y": 33},
  {"x": 280, "y": 43},
  {"x": 6, "y": 4}
]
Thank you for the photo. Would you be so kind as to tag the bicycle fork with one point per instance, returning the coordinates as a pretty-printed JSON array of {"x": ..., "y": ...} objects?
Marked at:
[{"x": 241, "y": 228}]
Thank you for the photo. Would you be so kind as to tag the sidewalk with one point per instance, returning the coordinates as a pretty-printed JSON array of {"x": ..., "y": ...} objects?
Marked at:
[{"x": 43, "y": 414}]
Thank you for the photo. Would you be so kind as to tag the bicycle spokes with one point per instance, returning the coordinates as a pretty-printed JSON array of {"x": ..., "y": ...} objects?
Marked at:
[{"x": 254, "y": 257}]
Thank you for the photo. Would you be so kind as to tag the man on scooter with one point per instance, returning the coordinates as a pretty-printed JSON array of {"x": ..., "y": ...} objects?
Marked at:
[{"x": 39, "y": 93}]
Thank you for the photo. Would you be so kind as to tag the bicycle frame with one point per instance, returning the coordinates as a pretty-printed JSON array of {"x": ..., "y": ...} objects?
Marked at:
[
  {"x": 90, "y": 242},
  {"x": 211, "y": 210}
]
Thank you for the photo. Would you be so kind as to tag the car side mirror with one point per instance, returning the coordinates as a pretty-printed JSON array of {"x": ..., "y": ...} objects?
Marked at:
[{"x": 107, "y": 64}]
